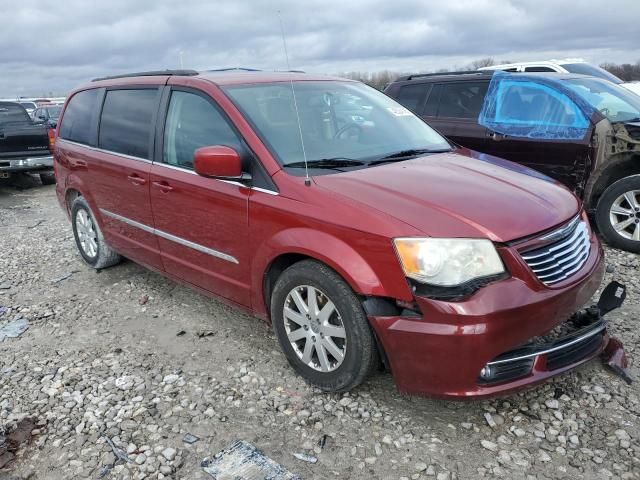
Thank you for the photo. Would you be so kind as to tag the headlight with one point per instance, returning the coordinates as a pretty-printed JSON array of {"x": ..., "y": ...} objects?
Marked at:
[{"x": 447, "y": 262}]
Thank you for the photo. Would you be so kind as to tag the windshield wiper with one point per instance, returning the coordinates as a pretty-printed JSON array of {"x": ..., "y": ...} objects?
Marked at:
[
  {"x": 405, "y": 154},
  {"x": 330, "y": 163}
]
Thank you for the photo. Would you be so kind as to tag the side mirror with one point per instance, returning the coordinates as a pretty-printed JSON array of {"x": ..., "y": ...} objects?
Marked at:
[{"x": 218, "y": 162}]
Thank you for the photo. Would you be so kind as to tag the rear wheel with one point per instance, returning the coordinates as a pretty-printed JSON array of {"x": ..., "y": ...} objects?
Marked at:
[
  {"x": 322, "y": 328},
  {"x": 618, "y": 214},
  {"x": 47, "y": 178},
  {"x": 89, "y": 238}
]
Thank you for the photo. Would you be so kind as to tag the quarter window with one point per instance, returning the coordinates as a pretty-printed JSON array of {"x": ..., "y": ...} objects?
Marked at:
[
  {"x": 76, "y": 123},
  {"x": 125, "y": 123},
  {"x": 193, "y": 122},
  {"x": 462, "y": 100}
]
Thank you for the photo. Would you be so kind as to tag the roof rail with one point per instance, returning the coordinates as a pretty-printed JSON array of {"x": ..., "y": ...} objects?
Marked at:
[
  {"x": 440, "y": 74},
  {"x": 234, "y": 69},
  {"x": 152, "y": 73}
]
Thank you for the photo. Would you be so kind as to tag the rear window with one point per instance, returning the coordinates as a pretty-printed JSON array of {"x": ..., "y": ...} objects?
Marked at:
[
  {"x": 125, "y": 124},
  {"x": 462, "y": 100},
  {"x": 12, "y": 113},
  {"x": 76, "y": 123},
  {"x": 412, "y": 96}
]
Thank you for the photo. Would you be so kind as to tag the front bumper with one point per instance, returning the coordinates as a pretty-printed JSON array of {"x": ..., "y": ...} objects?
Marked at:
[
  {"x": 44, "y": 163},
  {"x": 442, "y": 352}
]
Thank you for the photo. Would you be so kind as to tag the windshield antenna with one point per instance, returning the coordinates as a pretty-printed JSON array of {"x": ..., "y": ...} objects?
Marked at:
[{"x": 307, "y": 180}]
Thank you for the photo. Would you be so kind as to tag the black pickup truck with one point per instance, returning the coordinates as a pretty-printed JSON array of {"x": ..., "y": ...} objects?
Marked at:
[{"x": 25, "y": 146}]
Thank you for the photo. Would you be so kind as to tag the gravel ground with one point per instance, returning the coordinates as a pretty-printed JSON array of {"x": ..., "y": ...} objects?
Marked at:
[{"x": 128, "y": 355}]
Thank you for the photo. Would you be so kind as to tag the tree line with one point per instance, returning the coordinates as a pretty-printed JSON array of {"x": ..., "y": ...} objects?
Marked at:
[{"x": 625, "y": 71}]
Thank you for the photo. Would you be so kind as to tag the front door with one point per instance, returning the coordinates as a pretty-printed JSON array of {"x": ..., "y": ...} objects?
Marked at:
[
  {"x": 533, "y": 124},
  {"x": 201, "y": 223}
]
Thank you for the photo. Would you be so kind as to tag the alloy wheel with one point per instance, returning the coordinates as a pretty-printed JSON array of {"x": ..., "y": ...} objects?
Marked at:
[
  {"x": 625, "y": 215},
  {"x": 86, "y": 233},
  {"x": 315, "y": 328}
]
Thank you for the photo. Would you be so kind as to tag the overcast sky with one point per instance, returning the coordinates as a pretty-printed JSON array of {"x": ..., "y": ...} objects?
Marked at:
[{"x": 52, "y": 46}]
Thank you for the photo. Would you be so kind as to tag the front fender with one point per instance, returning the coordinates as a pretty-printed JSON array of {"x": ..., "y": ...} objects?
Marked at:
[{"x": 326, "y": 248}]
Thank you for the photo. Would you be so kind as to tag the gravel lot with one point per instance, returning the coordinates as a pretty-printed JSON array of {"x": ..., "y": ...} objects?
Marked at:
[{"x": 127, "y": 354}]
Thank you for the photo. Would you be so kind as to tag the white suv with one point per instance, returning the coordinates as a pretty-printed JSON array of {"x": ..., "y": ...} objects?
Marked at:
[{"x": 569, "y": 65}]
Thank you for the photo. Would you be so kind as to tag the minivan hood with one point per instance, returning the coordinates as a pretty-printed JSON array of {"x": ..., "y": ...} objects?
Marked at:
[{"x": 460, "y": 194}]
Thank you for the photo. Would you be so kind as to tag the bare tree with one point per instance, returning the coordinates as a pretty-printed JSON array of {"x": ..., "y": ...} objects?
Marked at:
[
  {"x": 483, "y": 62},
  {"x": 624, "y": 71}
]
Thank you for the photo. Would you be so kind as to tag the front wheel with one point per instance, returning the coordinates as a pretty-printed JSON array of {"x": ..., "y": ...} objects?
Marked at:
[
  {"x": 618, "y": 214},
  {"x": 322, "y": 328}
]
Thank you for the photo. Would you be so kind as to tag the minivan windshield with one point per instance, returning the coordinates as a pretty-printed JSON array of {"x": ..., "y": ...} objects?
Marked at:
[
  {"x": 342, "y": 124},
  {"x": 591, "y": 70},
  {"x": 614, "y": 102}
]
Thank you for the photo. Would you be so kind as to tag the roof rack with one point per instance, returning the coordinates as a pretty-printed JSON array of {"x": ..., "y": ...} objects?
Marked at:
[
  {"x": 234, "y": 69},
  {"x": 441, "y": 74},
  {"x": 152, "y": 73}
]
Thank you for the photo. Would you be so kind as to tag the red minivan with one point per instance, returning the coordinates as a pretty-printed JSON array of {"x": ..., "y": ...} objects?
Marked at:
[{"x": 328, "y": 209}]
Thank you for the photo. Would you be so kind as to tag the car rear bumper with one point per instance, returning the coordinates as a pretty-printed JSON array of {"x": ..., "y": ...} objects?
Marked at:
[
  {"x": 442, "y": 352},
  {"x": 43, "y": 163}
]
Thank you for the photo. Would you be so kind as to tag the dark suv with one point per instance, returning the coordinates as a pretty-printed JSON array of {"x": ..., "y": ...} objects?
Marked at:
[{"x": 580, "y": 130}]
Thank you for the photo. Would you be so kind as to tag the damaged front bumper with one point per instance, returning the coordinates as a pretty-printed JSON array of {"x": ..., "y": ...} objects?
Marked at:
[
  {"x": 586, "y": 338},
  {"x": 509, "y": 335}
]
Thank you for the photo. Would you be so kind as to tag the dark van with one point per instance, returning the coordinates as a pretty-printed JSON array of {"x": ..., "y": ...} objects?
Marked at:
[{"x": 583, "y": 131}]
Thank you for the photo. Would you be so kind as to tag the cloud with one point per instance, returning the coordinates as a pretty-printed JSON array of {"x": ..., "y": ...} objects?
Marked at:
[{"x": 53, "y": 46}]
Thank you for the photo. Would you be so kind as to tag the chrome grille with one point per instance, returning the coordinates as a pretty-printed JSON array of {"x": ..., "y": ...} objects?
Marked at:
[{"x": 564, "y": 256}]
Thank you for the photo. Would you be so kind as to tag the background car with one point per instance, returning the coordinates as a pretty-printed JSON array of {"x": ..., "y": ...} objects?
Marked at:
[
  {"x": 25, "y": 147},
  {"x": 48, "y": 114},
  {"x": 29, "y": 106},
  {"x": 566, "y": 66},
  {"x": 595, "y": 150}
]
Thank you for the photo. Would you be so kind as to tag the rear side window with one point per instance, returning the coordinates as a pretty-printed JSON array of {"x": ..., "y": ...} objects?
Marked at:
[
  {"x": 125, "y": 123},
  {"x": 539, "y": 69},
  {"x": 76, "y": 123},
  {"x": 431, "y": 107},
  {"x": 193, "y": 122},
  {"x": 412, "y": 96},
  {"x": 462, "y": 100}
]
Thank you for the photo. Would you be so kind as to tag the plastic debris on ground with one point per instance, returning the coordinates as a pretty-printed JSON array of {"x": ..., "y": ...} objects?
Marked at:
[
  {"x": 190, "y": 439},
  {"x": 14, "y": 328},
  {"x": 306, "y": 458},
  {"x": 243, "y": 461}
]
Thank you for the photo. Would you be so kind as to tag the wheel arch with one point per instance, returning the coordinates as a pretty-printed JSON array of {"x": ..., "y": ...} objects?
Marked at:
[
  {"x": 616, "y": 169},
  {"x": 291, "y": 246}
]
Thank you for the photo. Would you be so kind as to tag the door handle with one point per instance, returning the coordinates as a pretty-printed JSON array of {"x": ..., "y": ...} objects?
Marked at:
[
  {"x": 136, "y": 179},
  {"x": 496, "y": 136},
  {"x": 163, "y": 186}
]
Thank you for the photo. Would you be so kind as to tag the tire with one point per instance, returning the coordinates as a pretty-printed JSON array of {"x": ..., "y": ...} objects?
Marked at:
[
  {"x": 311, "y": 279},
  {"x": 620, "y": 205},
  {"x": 48, "y": 178},
  {"x": 89, "y": 239}
]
